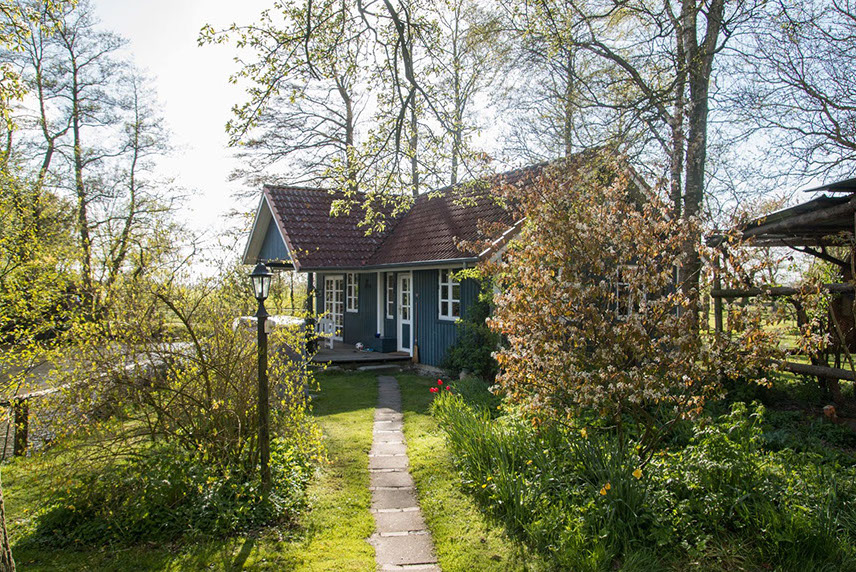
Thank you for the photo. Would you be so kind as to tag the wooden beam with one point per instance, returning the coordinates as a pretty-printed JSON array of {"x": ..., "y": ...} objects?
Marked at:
[
  {"x": 787, "y": 225},
  {"x": 819, "y": 370},
  {"x": 776, "y": 291},
  {"x": 717, "y": 301}
]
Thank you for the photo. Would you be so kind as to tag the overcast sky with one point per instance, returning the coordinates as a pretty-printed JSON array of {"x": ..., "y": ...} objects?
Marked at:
[{"x": 192, "y": 83}]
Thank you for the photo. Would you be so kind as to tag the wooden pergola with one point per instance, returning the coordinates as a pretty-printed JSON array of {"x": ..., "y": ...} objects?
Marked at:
[{"x": 814, "y": 228}]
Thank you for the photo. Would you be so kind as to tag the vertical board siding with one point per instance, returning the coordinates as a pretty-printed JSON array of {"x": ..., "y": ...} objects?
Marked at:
[
  {"x": 273, "y": 248},
  {"x": 434, "y": 336},
  {"x": 319, "y": 293},
  {"x": 360, "y": 326}
]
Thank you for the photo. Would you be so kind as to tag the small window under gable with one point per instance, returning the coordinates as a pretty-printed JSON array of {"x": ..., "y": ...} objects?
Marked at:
[
  {"x": 390, "y": 295},
  {"x": 353, "y": 292},
  {"x": 450, "y": 296}
]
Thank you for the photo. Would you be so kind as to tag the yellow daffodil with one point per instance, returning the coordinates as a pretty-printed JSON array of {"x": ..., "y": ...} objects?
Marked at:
[
  {"x": 583, "y": 432},
  {"x": 603, "y": 491},
  {"x": 607, "y": 486},
  {"x": 637, "y": 473}
]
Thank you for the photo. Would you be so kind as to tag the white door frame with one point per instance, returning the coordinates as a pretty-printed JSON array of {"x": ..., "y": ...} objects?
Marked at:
[
  {"x": 338, "y": 318},
  {"x": 408, "y": 276}
]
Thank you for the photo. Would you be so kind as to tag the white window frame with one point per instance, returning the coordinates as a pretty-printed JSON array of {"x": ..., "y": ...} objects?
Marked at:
[
  {"x": 390, "y": 295},
  {"x": 631, "y": 305},
  {"x": 445, "y": 295},
  {"x": 352, "y": 288}
]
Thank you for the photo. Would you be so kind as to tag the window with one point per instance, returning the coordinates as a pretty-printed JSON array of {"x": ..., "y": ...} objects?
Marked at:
[
  {"x": 353, "y": 297},
  {"x": 390, "y": 295},
  {"x": 450, "y": 296},
  {"x": 626, "y": 302}
]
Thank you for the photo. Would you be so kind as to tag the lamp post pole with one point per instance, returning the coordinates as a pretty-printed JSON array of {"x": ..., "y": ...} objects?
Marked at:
[
  {"x": 264, "y": 402},
  {"x": 261, "y": 277}
]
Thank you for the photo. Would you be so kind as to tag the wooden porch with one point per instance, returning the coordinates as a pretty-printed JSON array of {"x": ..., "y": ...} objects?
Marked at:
[{"x": 343, "y": 354}]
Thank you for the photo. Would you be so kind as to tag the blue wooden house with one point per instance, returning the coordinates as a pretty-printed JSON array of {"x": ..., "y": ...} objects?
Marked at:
[{"x": 393, "y": 291}]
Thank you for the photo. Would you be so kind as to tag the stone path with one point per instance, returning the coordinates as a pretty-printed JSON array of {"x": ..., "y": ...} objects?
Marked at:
[{"x": 401, "y": 540}]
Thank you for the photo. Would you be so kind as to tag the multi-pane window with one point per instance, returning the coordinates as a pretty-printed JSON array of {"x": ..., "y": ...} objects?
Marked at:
[
  {"x": 353, "y": 297},
  {"x": 450, "y": 296},
  {"x": 390, "y": 295},
  {"x": 626, "y": 301}
]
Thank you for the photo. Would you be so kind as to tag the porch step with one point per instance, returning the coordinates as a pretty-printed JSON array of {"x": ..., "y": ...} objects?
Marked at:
[{"x": 382, "y": 366}]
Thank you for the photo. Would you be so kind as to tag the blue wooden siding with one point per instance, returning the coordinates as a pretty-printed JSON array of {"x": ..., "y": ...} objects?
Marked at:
[
  {"x": 319, "y": 293},
  {"x": 361, "y": 326},
  {"x": 273, "y": 248},
  {"x": 433, "y": 335}
]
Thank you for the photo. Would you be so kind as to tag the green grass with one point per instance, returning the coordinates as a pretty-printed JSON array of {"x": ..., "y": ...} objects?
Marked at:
[
  {"x": 463, "y": 538},
  {"x": 331, "y": 536}
]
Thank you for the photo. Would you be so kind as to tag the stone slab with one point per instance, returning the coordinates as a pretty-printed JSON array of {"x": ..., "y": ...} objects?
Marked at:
[
  {"x": 412, "y": 568},
  {"x": 394, "y": 498},
  {"x": 403, "y": 550},
  {"x": 392, "y": 424},
  {"x": 391, "y": 479},
  {"x": 388, "y": 415},
  {"x": 387, "y": 448},
  {"x": 388, "y": 462},
  {"x": 408, "y": 521}
]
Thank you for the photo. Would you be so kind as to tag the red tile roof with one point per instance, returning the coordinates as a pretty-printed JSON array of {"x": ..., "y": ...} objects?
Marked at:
[
  {"x": 314, "y": 238},
  {"x": 429, "y": 231}
]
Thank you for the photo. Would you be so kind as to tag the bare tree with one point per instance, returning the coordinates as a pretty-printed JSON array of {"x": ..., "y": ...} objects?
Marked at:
[{"x": 795, "y": 86}]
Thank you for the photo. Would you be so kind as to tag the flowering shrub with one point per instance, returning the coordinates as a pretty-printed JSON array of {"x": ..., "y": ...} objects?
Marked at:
[{"x": 590, "y": 311}]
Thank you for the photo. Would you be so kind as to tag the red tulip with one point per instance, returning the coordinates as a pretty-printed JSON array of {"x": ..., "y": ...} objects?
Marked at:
[{"x": 439, "y": 382}]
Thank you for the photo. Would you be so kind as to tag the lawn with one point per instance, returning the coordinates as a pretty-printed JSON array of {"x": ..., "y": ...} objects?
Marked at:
[
  {"x": 330, "y": 536},
  {"x": 464, "y": 539}
]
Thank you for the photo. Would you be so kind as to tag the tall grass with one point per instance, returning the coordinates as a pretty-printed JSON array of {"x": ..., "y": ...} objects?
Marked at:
[{"x": 579, "y": 498}]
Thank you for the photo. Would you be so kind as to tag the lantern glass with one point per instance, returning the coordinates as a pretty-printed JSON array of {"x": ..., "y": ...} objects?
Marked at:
[{"x": 261, "y": 281}]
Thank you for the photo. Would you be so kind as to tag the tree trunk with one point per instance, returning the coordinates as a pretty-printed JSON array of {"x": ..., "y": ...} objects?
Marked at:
[
  {"x": 699, "y": 65},
  {"x": 414, "y": 142},
  {"x": 7, "y": 563},
  {"x": 82, "y": 203},
  {"x": 568, "y": 107}
]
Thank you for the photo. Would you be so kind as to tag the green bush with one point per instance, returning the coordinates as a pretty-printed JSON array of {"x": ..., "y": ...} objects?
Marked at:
[
  {"x": 580, "y": 498},
  {"x": 166, "y": 494},
  {"x": 474, "y": 347}
]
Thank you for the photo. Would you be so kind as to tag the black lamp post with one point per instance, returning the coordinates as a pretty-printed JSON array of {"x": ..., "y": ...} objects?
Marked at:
[{"x": 261, "y": 285}]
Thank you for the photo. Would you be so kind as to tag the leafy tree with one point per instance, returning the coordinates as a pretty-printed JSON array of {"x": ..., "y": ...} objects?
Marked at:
[{"x": 93, "y": 134}]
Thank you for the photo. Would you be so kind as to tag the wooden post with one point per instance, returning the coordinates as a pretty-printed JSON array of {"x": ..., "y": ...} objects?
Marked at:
[
  {"x": 21, "y": 410},
  {"x": 717, "y": 301},
  {"x": 311, "y": 341}
]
